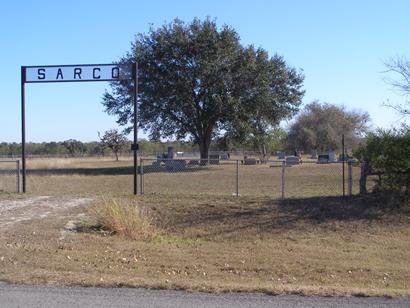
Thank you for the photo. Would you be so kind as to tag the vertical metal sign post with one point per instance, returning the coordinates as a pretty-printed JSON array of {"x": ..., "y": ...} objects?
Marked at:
[
  {"x": 23, "y": 126},
  {"x": 76, "y": 73},
  {"x": 343, "y": 163},
  {"x": 135, "y": 144}
]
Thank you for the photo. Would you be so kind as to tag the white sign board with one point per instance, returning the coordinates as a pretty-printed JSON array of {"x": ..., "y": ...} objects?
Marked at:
[{"x": 75, "y": 73}]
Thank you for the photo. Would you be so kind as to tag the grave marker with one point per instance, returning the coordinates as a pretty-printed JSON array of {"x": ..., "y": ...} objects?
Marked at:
[{"x": 292, "y": 160}]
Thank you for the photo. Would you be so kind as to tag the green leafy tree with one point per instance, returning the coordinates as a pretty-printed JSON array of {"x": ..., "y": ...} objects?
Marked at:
[
  {"x": 387, "y": 153},
  {"x": 74, "y": 147},
  {"x": 198, "y": 82},
  {"x": 95, "y": 148},
  {"x": 113, "y": 140},
  {"x": 320, "y": 127},
  {"x": 266, "y": 142}
]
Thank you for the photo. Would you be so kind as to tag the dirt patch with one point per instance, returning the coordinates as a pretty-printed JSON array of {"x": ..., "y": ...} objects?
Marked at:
[{"x": 15, "y": 211}]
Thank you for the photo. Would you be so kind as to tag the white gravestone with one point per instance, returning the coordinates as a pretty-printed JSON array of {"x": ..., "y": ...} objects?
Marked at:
[{"x": 332, "y": 156}]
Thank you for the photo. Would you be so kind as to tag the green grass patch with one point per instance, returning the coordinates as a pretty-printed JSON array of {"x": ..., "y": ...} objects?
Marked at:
[{"x": 175, "y": 240}]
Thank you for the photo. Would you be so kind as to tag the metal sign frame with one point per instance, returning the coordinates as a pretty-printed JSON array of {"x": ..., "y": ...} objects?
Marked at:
[{"x": 133, "y": 77}]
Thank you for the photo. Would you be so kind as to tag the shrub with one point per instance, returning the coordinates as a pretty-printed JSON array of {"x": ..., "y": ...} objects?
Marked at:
[
  {"x": 125, "y": 218},
  {"x": 387, "y": 153}
]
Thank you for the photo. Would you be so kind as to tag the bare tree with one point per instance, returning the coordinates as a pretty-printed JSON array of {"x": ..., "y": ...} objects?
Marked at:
[
  {"x": 113, "y": 140},
  {"x": 400, "y": 67}
]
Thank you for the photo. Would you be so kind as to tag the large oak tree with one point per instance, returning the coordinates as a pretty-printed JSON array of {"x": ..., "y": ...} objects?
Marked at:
[{"x": 197, "y": 81}]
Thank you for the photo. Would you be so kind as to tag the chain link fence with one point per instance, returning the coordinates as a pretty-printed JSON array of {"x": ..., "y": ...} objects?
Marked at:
[
  {"x": 10, "y": 176},
  {"x": 248, "y": 177},
  {"x": 276, "y": 179},
  {"x": 188, "y": 176}
]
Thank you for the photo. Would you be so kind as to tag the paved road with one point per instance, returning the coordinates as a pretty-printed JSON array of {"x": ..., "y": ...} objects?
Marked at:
[{"x": 49, "y": 296}]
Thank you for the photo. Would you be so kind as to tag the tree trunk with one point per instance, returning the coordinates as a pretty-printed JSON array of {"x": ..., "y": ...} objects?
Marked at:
[
  {"x": 116, "y": 156},
  {"x": 264, "y": 153},
  {"x": 204, "y": 145},
  {"x": 203, "y": 150},
  {"x": 363, "y": 177}
]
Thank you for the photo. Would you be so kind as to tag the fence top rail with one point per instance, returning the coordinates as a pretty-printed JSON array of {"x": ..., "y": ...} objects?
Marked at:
[
  {"x": 9, "y": 161},
  {"x": 259, "y": 161}
]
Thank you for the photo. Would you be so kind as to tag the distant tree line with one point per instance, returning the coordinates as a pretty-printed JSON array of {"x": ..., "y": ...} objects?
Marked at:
[
  {"x": 77, "y": 148},
  {"x": 319, "y": 126}
]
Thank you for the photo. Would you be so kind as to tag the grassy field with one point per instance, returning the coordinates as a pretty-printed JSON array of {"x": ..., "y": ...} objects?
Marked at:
[
  {"x": 213, "y": 243},
  {"x": 8, "y": 171},
  {"x": 313, "y": 242}
]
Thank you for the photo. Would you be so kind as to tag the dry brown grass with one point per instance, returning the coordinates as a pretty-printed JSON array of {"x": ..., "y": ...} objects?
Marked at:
[
  {"x": 76, "y": 162},
  {"x": 308, "y": 246},
  {"x": 123, "y": 217},
  {"x": 204, "y": 239},
  {"x": 99, "y": 176}
]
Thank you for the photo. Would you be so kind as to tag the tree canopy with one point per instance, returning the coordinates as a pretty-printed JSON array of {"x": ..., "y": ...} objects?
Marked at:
[
  {"x": 387, "y": 153},
  {"x": 114, "y": 140},
  {"x": 74, "y": 147},
  {"x": 198, "y": 82},
  {"x": 320, "y": 127}
]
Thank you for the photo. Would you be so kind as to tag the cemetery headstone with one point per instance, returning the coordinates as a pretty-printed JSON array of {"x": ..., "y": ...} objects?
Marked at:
[
  {"x": 156, "y": 163},
  {"x": 250, "y": 161},
  {"x": 281, "y": 155},
  {"x": 292, "y": 160},
  {"x": 214, "y": 159},
  {"x": 332, "y": 156},
  {"x": 175, "y": 165},
  {"x": 346, "y": 158},
  {"x": 170, "y": 154},
  {"x": 224, "y": 156},
  {"x": 323, "y": 159}
]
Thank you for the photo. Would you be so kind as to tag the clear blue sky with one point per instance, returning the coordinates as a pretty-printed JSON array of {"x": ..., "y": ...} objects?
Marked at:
[{"x": 340, "y": 45}]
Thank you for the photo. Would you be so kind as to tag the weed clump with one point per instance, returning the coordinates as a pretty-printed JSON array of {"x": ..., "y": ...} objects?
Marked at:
[{"x": 123, "y": 217}]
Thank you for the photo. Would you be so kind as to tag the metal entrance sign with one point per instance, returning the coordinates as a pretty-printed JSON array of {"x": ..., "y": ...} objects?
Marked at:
[{"x": 78, "y": 73}]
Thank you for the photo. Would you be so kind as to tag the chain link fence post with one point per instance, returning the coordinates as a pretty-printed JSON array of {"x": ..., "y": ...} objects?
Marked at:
[
  {"x": 283, "y": 179},
  {"x": 18, "y": 175},
  {"x": 350, "y": 178},
  {"x": 141, "y": 176},
  {"x": 237, "y": 178}
]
